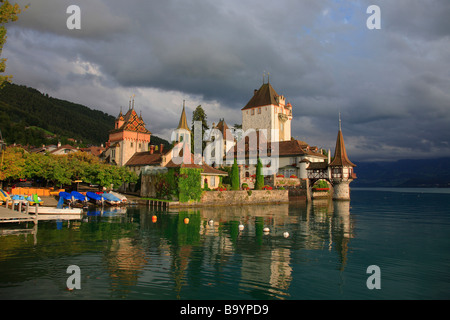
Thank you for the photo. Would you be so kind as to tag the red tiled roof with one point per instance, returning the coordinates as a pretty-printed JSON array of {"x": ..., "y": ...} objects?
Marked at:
[
  {"x": 144, "y": 159},
  {"x": 206, "y": 168},
  {"x": 96, "y": 151},
  {"x": 288, "y": 148},
  {"x": 223, "y": 127}
]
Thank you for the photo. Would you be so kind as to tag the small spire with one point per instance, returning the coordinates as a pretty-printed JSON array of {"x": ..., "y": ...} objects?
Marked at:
[
  {"x": 132, "y": 106},
  {"x": 264, "y": 76},
  {"x": 183, "y": 121},
  {"x": 340, "y": 127},
  {"x": 268, "y": 79}
]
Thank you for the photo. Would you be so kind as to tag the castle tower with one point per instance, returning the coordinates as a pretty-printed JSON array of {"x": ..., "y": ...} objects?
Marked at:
[
  {"x": 268, "y": 110},
  {"x": 341, "y": 169},
  {"x": 128, "y": 137},
  {"x": 182, "y": 132}
]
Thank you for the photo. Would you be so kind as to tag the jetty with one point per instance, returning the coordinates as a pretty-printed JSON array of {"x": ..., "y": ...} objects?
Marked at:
[
  {"x": 9, "y": 215},
  {"x": 16, "y": 212}
]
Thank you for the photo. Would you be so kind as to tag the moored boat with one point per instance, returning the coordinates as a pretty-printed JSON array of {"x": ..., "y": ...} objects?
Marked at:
[
  {"x": 53, "y": 210},
  {"x": 111, "y": 199},
  {"x": 4, "y": 197},
  {"x": 64, "y": 198},
  {"x": 121, "y": 197},
  {"x": 19, "y": 198},
  {"x": 94, "y": 198},
  {"x": 34, "y": 199},
  {"x": 79, "y": 200}
]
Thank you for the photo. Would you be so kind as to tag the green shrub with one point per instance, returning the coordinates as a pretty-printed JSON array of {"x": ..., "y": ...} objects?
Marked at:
[
  {"x": 235, "y": 179},
  {"x": 189, "y": 184},
  {"x": 259, "y": 183}
]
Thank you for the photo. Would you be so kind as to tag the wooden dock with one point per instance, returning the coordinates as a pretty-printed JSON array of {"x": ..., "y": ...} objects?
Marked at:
[
  {"x": 22, "y": 212},
  {"x": 154, "y": 203},
  {"x": 9, "y": 215}
]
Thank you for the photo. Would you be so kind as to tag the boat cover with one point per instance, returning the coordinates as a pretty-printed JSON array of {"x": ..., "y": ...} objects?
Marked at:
[
  {"x": 78, "y": 196},
  {"x": 93, "y": 196},
  {"x": 110, "y": 197},
  {"x": 65, "y": 195}
]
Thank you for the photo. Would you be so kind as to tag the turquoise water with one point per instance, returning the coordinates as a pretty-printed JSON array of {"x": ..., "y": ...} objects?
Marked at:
[{"x": 224, "y": 253}]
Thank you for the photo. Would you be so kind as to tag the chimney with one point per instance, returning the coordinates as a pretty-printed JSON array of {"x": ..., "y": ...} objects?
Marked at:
[
  {"x": 161, "y": 147},
  {"x": 255, "y": 91}
]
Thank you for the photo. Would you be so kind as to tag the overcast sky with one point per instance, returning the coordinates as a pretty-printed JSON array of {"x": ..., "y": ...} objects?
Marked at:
[{"x": 392, "y": 85}]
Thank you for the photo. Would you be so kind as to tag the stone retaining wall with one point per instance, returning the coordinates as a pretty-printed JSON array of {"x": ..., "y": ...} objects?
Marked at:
[{"x": 240, "y": 197}]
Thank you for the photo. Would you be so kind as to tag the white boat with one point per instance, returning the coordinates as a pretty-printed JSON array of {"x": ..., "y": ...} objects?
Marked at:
[
  {"x": 54, "y": 210},
  {"x": 120, "y": 196}
]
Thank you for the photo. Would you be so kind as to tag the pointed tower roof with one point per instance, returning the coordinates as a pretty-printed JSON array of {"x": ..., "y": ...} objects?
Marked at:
[
  {"x": 120, "y": 116},
  {"x": 223, "y": 127},
  {"x": 183, "y": 121},
  {"x": 264, "y": 96},
  {"x": 131, "y": 122},
  {"x": 340, "y": 154}
]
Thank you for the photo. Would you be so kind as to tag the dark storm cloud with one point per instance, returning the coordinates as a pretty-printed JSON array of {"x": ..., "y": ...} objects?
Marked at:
[{"x": 390, "y": 85}]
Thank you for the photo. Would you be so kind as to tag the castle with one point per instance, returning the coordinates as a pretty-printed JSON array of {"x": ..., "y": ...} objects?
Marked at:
[
  {"x": 128, "y": 137},
  {"x": 266, "y": 111}
]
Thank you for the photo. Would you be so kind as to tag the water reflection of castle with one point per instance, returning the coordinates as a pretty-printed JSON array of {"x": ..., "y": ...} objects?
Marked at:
[{"x": 266, "y": 260}]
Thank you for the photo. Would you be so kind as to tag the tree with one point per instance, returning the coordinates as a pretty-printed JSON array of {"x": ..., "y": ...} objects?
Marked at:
[
  {"x": 62, "y": 169},
  {"x": 235, "y": 179},
  {"x": 12, "y": 164},
  {"x": 8, "y": 12},
  {"x": 199, "y": 115},
  {"x": 59, "y": 171},
  {"x": 37, "y": 166},
  {"x": 259, "y": 183}
]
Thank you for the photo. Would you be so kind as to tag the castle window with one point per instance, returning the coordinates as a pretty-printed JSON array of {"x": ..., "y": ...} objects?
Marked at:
[
  {"x": 131, "y": 144},
  {"x": 253, "y": 112},
  {"x": 259, "y": 110},
  {"x": 140, "y": 146}
]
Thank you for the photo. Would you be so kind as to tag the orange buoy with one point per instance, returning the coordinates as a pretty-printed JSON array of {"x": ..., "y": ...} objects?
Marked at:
[
  {"x": 186, "y": 220},
  {"x": 154, "y": 219}
]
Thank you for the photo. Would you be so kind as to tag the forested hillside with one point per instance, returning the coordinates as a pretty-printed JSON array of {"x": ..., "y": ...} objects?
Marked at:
[
  {"x": 24, "y": 110},
  {"x": 29, "y": 117}
]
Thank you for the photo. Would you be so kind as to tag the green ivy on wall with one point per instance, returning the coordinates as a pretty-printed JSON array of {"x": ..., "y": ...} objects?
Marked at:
[{"x": 189, "y": 184}]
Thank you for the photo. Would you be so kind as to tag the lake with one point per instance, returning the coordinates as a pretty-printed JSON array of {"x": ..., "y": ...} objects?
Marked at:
[{"x": 318, "y": 250}]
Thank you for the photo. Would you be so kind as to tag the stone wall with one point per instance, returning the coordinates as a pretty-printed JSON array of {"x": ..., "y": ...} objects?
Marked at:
[
  {"x": 341, "y": 190},
  {"x": 242, "y": 197},
  {"x": 148, "y": 186}
]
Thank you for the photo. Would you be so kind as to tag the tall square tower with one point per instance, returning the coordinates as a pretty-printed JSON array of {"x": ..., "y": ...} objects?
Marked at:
[{"x": 268, "y": 110}]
